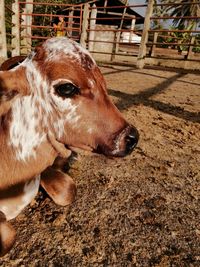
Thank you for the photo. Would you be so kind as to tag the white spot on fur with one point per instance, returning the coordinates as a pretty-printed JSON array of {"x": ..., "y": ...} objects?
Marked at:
[
  {"x": 91, "y": 83},
  {"x": 24, "y": 136},
  {"x": 43, "y": 109},
  {"x": 59, "y": 127},
  {"x": 90, "y": 130},
  {"x": 62, "y": 44},
  {"x": 65, "y": 105},
  {"x": 12, "y": 206},
  {"x": 27, "y": 114},
  {"x": 31, "y": 190},
  {"x": 69, "y": 113}
]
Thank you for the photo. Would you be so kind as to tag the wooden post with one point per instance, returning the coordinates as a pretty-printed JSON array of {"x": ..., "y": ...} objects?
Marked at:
[
  {"x": 105, "y": 5},
  {"x": 15, "y": 29},
  {"x": 132, "y": 29},
  {"x": 29, "y": 10},
  {"x": 92, "y": 28},
  {"x": 143, "y": 48},
  {"x": 3, "y": 43},
  {"x": 155, "y": 37},
  {"x": 190, "y": 48},
  {"x": 86, "y": 13},
  {"x": 26, "y": 32},
  {"x": 118, "y": 34},
  {"x": 70, "y": 22}
]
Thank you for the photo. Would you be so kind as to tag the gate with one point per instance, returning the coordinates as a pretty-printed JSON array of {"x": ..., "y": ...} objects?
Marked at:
[
  {"x": 40, "y": 21},
  {"x": 112, "y": 30},
  {"x": 106, "y": 29}
]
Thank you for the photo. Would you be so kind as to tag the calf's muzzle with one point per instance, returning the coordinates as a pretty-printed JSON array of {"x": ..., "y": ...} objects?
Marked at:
[
  {"x": 131, "y": 139},
  {"x": 122, "y": 143}
]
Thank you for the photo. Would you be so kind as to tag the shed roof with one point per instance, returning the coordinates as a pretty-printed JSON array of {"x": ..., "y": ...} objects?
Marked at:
[
  {"x": 109, "y": 10},
  {"x": 111, "y": 7}
]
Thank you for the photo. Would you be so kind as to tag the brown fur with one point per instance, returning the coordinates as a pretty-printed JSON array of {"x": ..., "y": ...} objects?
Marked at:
[
  {"x": 11, "y": 62},
  {"x": 9, "y": 81},
  {"x": 101, "y": 127},
  {"x": 10, "y": 87},
  {"x": 18, "y": 172},
  {"x": 7, "y": 235},
  {"x": 59, "y": 186}
]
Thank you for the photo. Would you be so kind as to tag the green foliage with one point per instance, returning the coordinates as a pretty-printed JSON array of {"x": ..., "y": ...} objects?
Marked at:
[
  {"x": 47, "y": 9},
  {"x": 183, "y": 10},
  {"x": 183, "y": 38},
  {"x": 40, "y": 20},
  {"x": 8, "y": 2},
  {"x": 196, "y": 48},
  {"x": 8, "y": 22}
]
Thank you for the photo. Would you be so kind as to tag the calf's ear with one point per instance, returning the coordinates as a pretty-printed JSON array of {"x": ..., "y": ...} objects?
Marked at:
[
  {"x": 7, "y": 95},
  {"x": 12, "y": 62},
  {"x": 12, "y": 83}
]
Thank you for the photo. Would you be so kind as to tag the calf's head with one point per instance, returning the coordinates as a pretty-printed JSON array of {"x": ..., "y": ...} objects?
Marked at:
[{"x": 62, "y": 92}]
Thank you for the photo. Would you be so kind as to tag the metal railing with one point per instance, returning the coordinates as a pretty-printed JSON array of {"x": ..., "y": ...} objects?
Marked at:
[
  {"x": 179, "y": 42},
  {"x": 37, "y": 25},
  {"x": 110, "y": 32}
]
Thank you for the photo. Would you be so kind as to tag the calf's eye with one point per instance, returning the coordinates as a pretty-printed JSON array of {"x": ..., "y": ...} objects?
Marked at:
[{"x": 66, "y": 90}]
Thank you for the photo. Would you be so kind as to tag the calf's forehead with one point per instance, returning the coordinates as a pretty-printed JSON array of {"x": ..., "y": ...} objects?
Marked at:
[
  {"x": 63, "y": 48},
  {"x": 64, "y": 58}
]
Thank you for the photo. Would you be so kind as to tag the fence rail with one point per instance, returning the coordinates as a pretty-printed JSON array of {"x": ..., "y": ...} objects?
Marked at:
[{"x": 110, "y": 32}]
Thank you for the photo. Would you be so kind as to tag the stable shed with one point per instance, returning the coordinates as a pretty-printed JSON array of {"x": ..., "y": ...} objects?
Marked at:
[{"x": 115, "y": 8}]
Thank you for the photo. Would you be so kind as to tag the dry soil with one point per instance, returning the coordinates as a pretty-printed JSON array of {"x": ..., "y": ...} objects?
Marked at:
[{"x": 141, "y": 210}]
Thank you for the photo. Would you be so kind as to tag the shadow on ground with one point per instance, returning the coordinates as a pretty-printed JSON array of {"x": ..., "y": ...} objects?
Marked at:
[{"x": 142, "y": 210}]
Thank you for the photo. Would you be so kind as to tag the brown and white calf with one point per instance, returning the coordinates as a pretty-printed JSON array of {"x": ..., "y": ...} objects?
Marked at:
[{"x": 51, "y": 103}]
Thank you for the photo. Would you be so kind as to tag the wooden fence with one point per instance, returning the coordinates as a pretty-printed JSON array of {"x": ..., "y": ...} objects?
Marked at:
[{"x": 110, "y": 32}]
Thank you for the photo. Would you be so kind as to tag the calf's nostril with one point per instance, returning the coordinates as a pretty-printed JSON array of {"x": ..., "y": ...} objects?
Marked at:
[{"x": 131, "y": 140}]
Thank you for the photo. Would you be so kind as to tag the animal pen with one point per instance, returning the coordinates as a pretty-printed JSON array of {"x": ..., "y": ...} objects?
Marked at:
[
  {"x": 142, "y": 210},
  {"x": 108, "y": 29}
]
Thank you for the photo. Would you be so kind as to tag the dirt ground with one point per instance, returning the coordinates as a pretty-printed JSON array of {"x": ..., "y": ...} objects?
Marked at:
[{"x": 142, "y": 210}]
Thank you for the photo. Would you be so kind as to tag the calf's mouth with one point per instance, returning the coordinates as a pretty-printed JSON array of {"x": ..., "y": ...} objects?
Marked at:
[{"x": 122, "y": 143}]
